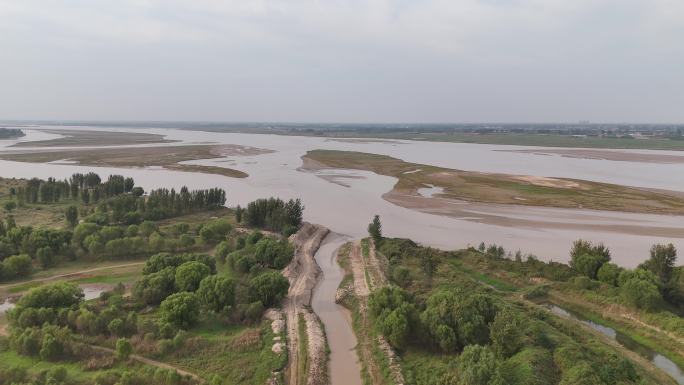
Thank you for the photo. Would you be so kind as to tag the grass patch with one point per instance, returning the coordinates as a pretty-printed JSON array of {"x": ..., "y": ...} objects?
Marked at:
[{"x": 237, "y": 354}]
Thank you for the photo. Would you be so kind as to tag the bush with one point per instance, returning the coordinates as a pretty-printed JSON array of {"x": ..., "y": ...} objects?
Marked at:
[
  {"x": 123, "y": 349},
  {"x": 269, "y": 288},
  {"x": 535, "y": 292},
  {"x": 507, "y": 333},
  {"x": 641, "y": 294},
  {"x": 189, "y": 275},
  {"x": 583, "y": 283},
  {"x": 180, "y": 309},
  {"x": 609, "y": 273},
  {"x": 215, "y": 231},
  {"x": 478, "y": 366}
]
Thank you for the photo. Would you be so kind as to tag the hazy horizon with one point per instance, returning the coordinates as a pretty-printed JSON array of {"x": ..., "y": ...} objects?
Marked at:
[{"x": 365, "y": 62}]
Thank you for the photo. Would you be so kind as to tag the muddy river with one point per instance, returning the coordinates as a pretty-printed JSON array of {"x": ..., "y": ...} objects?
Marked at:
[
  {"x": 345, "y": 201},
  {"x": 345, "y": 368}
]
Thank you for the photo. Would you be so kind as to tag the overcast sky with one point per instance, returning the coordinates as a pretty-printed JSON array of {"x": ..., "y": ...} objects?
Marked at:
[{"x": 343, "y": 61}]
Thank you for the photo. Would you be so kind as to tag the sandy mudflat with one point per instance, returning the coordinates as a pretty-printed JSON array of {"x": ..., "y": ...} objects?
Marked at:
[
  {"x": 168, "y": 157},
  {"x": 521, "y": 216},
  {"x": 614, "y": 155},
  {"x": 502, "y": 189}
]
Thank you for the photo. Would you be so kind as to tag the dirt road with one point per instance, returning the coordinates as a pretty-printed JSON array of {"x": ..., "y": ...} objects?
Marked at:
[
  {"x": 303, "y": 273},
  {"x": 151, "y": 362}
]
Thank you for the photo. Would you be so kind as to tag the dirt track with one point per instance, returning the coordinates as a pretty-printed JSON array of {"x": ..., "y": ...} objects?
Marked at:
[
  {"x": 151, "y": 362},
  {"x": 303, "y": 273},
  {"x": 71, "y": 274}
]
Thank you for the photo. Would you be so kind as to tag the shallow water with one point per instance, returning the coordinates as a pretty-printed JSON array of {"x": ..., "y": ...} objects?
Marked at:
[
  {"x": 657, "y": 359},
  {"x": 430, "y": 191},
  {"x": 344, "y": 364}
]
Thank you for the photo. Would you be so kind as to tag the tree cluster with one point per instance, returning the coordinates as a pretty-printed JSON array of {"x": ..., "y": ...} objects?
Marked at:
[{"x": 274, "y": 214}]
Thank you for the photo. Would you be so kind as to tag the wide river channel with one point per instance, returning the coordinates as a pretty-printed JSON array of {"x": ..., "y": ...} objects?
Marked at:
[{"x": 346, "y": 200}]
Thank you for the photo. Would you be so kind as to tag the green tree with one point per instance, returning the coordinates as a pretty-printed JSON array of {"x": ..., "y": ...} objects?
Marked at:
[
  {"x": 477, "y": 365},
  {"x": 123, "y": 349},
  {"x": 609, "y": 273},
  {"x": 375, "y": 229},
  {"x": 394, "y": 313},
  {"x": 269, "y": 288},
  {"x": 662, "y": 262},
  {"x": 10, "y": 205},
  {"x": 45, "y": 256},
  {"x": 190, "y": 274},
  {"x": 587, "y": 258},
  {"x": 17, "y": 266},
  {"x": 641, "y": 293},
  {"x": 216, "y": 293},
  {"x": 71, "y": 215},
  {"x": 507, "y": 333},
  {"x": 180, "y": 309},
  {"x": 274, "y": 254},
  {"x": 56, "y": 295},
  {"x": 238, "y": 214},
  {"x": 468, "y": 314}
]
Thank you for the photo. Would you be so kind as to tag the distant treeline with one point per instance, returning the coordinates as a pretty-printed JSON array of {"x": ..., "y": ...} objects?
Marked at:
[
  {"x": 6, "y": 133},
  {"x": 127, "y": 202}
]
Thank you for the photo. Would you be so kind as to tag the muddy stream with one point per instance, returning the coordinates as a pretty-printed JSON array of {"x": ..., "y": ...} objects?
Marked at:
[{"x": 344, "y": 365}]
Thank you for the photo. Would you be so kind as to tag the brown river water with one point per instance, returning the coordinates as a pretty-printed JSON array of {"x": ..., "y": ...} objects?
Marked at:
[{"x": 346, "y": 200}]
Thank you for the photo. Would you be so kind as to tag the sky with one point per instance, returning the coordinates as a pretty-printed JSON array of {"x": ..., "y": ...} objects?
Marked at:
[{"x": 343, "y": 60}]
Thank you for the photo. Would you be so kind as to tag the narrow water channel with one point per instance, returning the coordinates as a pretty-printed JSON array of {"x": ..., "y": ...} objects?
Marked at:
[
  {"x": 344, "y": 365},
  {"x": 660, "y": 361}
]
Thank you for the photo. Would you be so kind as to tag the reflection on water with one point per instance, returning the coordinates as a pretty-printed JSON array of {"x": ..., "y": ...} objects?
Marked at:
[{"x": 657, "y": 359}]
